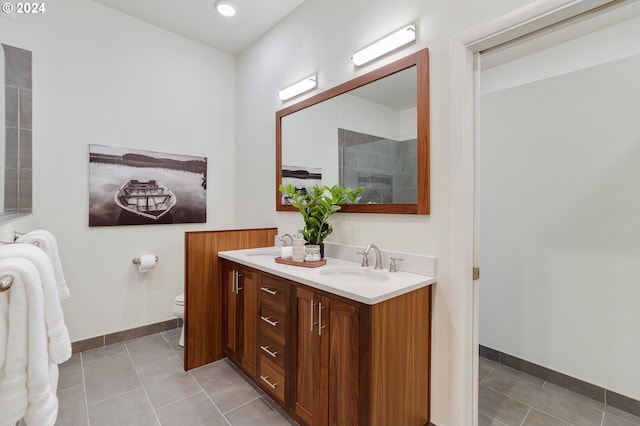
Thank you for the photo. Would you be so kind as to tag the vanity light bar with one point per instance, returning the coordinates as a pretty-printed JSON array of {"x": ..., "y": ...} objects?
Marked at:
[
  {"x": 387, "y": 44},
  {"x": 298, "y": 88}
]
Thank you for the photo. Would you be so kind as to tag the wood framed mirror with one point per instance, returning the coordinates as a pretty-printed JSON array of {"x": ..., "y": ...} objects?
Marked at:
[{"x": 371, "y": 132}]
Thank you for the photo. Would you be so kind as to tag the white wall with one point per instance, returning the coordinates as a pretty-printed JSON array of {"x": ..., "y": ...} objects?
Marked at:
[
  {"x": 559, "y": 223},
  {"x": 102, "y": 77},
  {"x": 320, "y": 36}
]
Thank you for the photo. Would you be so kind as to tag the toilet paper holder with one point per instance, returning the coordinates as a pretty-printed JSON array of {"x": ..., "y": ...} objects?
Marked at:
[{"x": 136, "y": 260}]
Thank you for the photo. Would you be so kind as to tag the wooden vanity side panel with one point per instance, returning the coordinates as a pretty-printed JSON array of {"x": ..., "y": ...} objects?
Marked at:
[
  {"x": 401, "y": 359},
  {"x": 203, "y": 288}
]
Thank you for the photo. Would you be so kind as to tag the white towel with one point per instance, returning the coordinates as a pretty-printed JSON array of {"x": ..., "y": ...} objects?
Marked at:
[
  {"x": 13, "y": 389},
  {"x": 59, "y": 341},
  {"x": 47, "y": 242},
  {"x": 42, "y": 408}
]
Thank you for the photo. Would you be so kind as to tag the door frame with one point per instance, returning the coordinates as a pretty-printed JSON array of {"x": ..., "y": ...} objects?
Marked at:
[{"x": 464, "y": 58}]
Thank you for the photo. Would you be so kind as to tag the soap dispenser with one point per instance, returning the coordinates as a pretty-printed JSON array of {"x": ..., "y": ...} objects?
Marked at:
[{"x": 286, "y": 249}]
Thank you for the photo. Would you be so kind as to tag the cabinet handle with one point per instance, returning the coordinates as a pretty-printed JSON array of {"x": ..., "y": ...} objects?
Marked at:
[
  {"x": 238, "y": 288},
  {"x": 268, "y": 290},
  {"x": 234, "y": 280},
  {"x": 311, "y": 306},
  {"x": 266, "y": 380},
  {"x": 320, "y": 326},
  {"x": 266, "y": 349},
  {"x": 269, "y": 321}
]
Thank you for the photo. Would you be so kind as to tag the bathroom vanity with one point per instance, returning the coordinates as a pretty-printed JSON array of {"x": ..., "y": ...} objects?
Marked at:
[{"x": 339, "y": 344}]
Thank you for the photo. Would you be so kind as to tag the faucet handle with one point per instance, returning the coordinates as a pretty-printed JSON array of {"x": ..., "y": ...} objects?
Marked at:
[
  {"x": 284, "y": 242},
  {"x": 365, "y": 257},
  {"x": 393, "y": 267}
]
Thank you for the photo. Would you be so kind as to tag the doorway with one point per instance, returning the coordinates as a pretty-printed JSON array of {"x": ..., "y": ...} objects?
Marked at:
[{"x": 557, "y": 168}]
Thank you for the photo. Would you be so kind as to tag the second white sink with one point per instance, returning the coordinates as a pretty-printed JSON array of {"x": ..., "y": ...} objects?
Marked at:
[{"x": 354, "y": 275}]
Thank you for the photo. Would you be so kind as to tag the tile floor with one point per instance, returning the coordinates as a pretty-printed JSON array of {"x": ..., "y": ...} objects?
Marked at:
[
  {"x": 510, "y": 397},
  {"x": 141, "y": 382}
]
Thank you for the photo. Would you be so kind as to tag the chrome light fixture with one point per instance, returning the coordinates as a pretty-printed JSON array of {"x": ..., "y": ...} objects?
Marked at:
[
  {"x": 298, "y": 88},
  {"x": 385, "y": 45},
  {"x": 226, "y": 8}
]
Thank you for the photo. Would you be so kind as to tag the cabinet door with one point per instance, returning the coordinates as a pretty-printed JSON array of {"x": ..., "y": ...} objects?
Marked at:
[
  {"x": 327, "y": 360},
  {"x": 230, "y": 308},
  {"x": 248, "y": 320},
  {"x": 240, "y": 312},
  {"x": 310, "y": 404},
  {"x": 343, "y": 329}
]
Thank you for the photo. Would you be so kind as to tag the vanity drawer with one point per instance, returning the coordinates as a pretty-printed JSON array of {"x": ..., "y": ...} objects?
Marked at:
[
  {"x": 271, "y": 378},
  {"x": 272, "y": 350},
  {"x": 273, "y": 293},
  {"x": 272, "y": 321}
]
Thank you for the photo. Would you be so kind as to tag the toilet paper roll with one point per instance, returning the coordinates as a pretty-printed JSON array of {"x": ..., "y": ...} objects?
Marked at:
[{"x": 147, "y": 263}]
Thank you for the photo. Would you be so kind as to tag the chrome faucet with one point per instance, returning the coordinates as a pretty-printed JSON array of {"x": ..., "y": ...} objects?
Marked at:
[
  {"x": 284, "y": 243},
  {"x": 365, "y": 256}
]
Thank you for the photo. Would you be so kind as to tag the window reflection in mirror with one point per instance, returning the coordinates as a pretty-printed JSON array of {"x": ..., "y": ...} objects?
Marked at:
[
  {"x": 370, "y": 132},
  {"x": 16, "y": 140}
]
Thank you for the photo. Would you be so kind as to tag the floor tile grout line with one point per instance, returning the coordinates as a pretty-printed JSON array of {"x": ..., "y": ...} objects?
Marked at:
[
  {"x": 487, "y": 376},
  {"x": 574, "y": 400},
  {"x": 142, "y": 384},
  {"x": 526, "y": 415},
  {"x": 212, "y": 401},
  {"x": 507, "y": 396},
  {"x": 480, "y": 411},
  {"x": 540, "y": 409},
  {"x": 84, "y": 389},
  {"x": 243, "y": 404},
  {"x": 178, "y": 400},
  {"x": 594, "y": 404},
  {"x": 103, "y": 358},
  {"x": 551, "y": 415},
  {"x": 602, "y": 421}
]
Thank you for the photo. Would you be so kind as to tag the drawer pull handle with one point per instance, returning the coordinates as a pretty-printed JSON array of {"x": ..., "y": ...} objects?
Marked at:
[
  {"x": 266, "y": 349},
  {"x": 268, "y": 290},
  {"x": 266, "y": 380},
  {"x": 269, "y": 321}
]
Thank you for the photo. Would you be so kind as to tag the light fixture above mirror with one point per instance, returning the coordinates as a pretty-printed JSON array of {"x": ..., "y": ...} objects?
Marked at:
[
  {"x": 298, "y": 88},
  {"x": 385, "y": 45}
]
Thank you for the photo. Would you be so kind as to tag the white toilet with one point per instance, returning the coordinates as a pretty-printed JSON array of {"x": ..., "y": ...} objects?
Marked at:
[{"x": 178, "y": 310}]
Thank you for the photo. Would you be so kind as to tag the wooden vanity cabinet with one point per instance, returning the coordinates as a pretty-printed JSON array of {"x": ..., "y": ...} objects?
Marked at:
[
  {"x": 240, "y": 311},
  {"x": 360, "y": 364},
  {"x": 327, "y": 360}
]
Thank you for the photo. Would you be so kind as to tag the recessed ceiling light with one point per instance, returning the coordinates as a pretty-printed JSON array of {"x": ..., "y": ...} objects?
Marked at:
[{"x": 226, "y": 8}]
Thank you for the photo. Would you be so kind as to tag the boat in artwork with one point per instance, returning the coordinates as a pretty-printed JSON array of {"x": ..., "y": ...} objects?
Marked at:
[{"x": 150, "y": 199}]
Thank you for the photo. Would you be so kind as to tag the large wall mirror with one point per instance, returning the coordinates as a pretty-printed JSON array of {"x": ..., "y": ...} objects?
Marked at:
[
  {"x": 15, "y": 140},
  {"x": 370, "y": 132}
]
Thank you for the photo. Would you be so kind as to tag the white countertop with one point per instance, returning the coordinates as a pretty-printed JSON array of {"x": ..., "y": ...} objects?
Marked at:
[{"x": 370, "y": 293}]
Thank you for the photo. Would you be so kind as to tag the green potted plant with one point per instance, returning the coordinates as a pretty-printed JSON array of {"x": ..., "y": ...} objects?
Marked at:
[{"x": 317, "y": 207}]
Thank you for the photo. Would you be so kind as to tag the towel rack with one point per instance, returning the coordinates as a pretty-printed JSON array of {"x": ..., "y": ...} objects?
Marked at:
[
  {"x": 5, "y": 283},
  {"x": 17, "y": 235}
]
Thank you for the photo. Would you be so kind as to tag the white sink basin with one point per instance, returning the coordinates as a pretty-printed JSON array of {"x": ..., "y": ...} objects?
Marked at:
[
  {"x": 274, "y": 252},
  {"x": 354, "y": 275}
]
